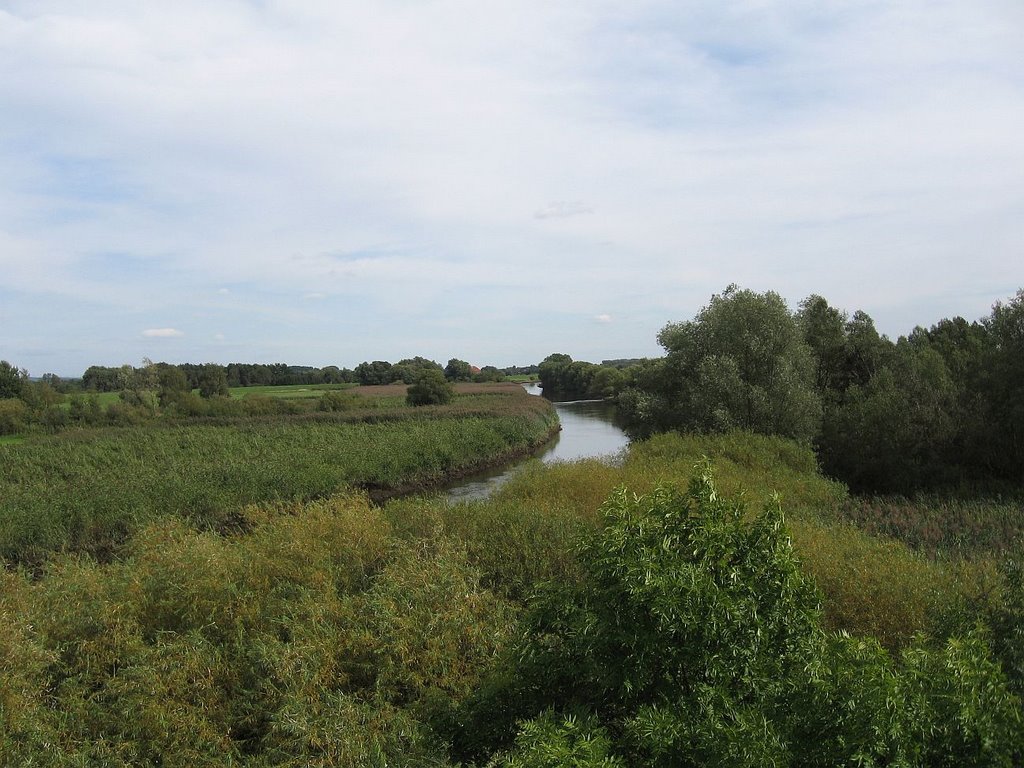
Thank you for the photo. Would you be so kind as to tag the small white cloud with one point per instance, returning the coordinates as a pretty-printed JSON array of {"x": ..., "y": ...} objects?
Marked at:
[
  {"x": 218, "y": 336},
  {"x": 602, "y": 318},
  {"x": 224, "y": 291},
  {"x": 315, "y": 296},
  {"x": 561, "y": 209},
  {"x": 162, "y": 333}
]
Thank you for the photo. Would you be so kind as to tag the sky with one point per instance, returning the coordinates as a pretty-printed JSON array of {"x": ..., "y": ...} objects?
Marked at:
[{"x": 322, "y": 182}]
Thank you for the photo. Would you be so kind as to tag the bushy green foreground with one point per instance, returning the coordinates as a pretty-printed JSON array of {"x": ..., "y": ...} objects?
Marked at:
[
  {"x": 694, "y": 639},
  {"x": 537, "y": 628},
  {"x": 86, "y": 491}
]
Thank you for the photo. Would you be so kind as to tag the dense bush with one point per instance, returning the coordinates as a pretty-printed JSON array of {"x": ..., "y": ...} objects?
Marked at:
[
  {"x": 694, "y": 639},
  {"x": 316, "y": 640},
  {"x": 676, "y": 627},
  {"x": 14, "y": 416},
  {"x": 430, "y": 388}
]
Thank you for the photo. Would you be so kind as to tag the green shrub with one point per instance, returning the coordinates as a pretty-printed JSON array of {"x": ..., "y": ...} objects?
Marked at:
[
  {"x": 430, "y": 388},
  {"x": 339, "y": 400},
  {"x": 14, "y": 416},
  {"x": 871, "y": 587},
  {"x": 694, "y": 639}
]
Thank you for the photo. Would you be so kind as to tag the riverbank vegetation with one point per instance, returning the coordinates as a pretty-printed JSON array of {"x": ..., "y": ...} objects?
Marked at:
[
  {"x": 212, "y": 584},
  {"x": 127, "y": 395},
  {"x": 938, "y": 409},
  {"x": 87, "y": 490},
  {"x": 723, "y": 615}
]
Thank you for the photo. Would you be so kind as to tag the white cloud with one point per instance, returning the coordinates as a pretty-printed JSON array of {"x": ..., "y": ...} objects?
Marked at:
[
  {"x": 860, "y": 151},
  {"x": 603, "y": 318},
  {"x": 562, "y": 209},
  {"x": 162, "y": 333}
]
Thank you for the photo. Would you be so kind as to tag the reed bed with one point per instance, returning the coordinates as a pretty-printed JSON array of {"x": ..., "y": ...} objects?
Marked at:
[{"x": 86, "y": 491}]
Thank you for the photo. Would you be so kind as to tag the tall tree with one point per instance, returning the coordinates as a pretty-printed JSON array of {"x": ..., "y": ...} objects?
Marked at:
[
  {"x": 894, "y": 433},
  {"x": 741, "y": 363},
  {"x": 213, "y": 381},
  {"x": 458, "y": 370},
  {"x": 824, "y": 331},
  {"x": 1002, "y": 386},
  {"x": 12, "y": 380}
]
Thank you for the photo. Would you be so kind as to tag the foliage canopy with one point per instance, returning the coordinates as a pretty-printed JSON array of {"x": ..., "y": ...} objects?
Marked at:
[{"x": 430, "y": 388}]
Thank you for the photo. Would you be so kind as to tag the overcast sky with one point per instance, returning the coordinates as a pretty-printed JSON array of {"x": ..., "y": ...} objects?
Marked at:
[{"x": 324, "y": 182}]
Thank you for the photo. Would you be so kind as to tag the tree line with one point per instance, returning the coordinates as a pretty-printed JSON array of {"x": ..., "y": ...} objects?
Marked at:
[
  {"x": 189, "y": 389},
  {"x": 940, "y": 407},
  {"x": 100, "y": 378}
]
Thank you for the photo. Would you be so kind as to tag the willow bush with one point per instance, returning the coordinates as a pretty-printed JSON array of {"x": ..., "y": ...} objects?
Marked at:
[{"x": 696, "y": 640}]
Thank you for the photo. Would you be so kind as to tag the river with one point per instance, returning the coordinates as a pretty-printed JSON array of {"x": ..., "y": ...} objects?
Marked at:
[{"x": 589, "y": 430}]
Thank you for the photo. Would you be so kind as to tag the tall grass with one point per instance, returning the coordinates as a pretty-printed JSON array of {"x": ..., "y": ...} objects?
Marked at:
[
  {"x": 941, "y": 526},
  {"x": 87, "y": 491}
]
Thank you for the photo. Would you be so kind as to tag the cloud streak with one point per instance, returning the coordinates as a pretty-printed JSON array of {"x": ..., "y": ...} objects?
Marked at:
[{"x": 562, "y": 209}]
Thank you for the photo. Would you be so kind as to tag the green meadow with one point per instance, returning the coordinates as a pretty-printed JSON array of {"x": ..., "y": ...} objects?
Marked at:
[{"x": 288, "y": 392}]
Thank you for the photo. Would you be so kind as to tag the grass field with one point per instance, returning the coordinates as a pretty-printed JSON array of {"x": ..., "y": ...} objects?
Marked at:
[
  {"x": 290, "y": 392},
  {"x": 310, "y": 391}
]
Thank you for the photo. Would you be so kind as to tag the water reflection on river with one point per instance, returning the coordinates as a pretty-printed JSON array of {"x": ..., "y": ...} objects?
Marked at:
[{"x": 589, "y": 429}]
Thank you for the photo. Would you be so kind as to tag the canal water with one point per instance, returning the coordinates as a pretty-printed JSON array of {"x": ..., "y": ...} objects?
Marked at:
[{"x": 589, "y": 430}]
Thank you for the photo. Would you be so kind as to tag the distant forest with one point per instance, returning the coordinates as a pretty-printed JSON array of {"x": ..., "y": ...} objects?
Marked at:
[{"x": 102, "y": 378}]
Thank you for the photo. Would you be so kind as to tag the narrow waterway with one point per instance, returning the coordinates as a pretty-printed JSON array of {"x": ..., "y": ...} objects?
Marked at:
[{"x": 589, "y": 430}]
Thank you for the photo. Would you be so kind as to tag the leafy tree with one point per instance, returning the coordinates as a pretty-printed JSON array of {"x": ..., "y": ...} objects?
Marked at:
[
  {"x": 40, "y": 396},
  {"x": 12, "y": 380},
  {"x": 100, "y": 378},
  {"x": 213, "y": 381},
  {"x": 962, "y": 345},
  {"x": 408, "y": 370},
  {"x": 823, "y": 329},
  {"x": 430, "y": 388},
  {"x": 172, "y": 384},
  {"x": 458, "y": 370},
  {"x": 377, "y": 372},
  {"x": 562, "y": 378},
  {"x": 59, "y": 384},
  {"x": 867, "y": 352},
  {"x": 550, "y": 372},
  {"x": 1002, "y": 387},
  {"x": 332, "y": 374},
  {"x": 489, "y": 373},
  {"x": 895, "y": 432},
  {"x": 606, "y": 383},
  {"x": 741, "y": 363}
]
